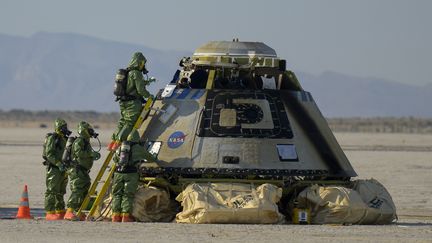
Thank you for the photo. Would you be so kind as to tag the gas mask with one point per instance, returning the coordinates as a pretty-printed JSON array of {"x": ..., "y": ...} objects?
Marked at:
[
  {"x": 92, "y": 133},
  {"x": 142, "y": 67},
  {"x": 64, "y": 130}
]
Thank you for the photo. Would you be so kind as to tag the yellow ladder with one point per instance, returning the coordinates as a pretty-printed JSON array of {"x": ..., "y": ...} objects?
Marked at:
[{"x": 98, "y": 196}]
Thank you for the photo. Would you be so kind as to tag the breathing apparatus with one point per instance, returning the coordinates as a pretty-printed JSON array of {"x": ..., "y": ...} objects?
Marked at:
[
  {"x": 124, "y": 156},
  {"x": 142, "y": 66},
  {"x": 95, "y": 135},
  {"x": 92, "y": 133},
  {"x": 85, "y": 129},
  {"x": 65, "y": 131},
  {"x": 67, "y": 153},
  {"x": 143, "y": 69}
]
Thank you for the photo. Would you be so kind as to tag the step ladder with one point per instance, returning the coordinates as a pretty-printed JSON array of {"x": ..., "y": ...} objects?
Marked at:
[{"x": 97, "y": 196}]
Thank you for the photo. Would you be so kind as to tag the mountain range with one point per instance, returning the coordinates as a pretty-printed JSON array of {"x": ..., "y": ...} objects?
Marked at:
[
  {"x": 66, "y": 71},
  {"x": 339, "y": 95}
]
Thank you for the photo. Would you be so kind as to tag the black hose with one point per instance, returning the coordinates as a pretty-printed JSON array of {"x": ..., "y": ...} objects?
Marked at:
[
  {"x": 100, "y": 146},
  {"x": 101, "y": 216}
]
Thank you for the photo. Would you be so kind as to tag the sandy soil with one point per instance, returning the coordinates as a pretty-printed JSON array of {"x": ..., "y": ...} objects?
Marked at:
[{"x": 406, "y": 174}]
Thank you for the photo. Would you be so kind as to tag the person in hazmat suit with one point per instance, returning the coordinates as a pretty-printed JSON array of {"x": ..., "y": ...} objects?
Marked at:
[
  {"x": 125, "y": 182},
  {"x": 82, "y": 155},
  {"x": 132, "y": 101},
  {"x": 56, "y": 177}
]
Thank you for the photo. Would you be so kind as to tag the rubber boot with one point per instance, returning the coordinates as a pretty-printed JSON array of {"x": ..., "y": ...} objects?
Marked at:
[
  {"x": 60, "y": 214},
  {"x": 51, "y": 215},
  {"x": 69, "y": 215},
  {"x": 116, "y": 217},
  {"x": 127, "y": 218}
]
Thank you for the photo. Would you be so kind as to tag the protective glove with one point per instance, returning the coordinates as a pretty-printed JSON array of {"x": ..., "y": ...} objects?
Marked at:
[
  {"x": 152, "y": 79},
  {"x": 96, "y": 155}
]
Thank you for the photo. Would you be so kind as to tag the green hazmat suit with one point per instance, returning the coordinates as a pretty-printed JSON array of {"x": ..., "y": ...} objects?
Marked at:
[
  {"x": 56, "y": 177},
  {"x": 125, "y": 181},
  {"x": 82, "y": 156},
  {"x": 130, "y": 108}
]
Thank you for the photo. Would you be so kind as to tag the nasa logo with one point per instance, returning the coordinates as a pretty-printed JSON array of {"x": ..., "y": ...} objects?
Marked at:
[{"x": 176, "y": 139}]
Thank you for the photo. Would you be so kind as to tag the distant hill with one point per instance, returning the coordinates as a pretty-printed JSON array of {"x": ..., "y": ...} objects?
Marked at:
[
  {"x": 339, "y": 95},
  {"x": 42, "y": 119},
  {"x": 63, "y": 71},
  {"x": 70, "y": 71},
  {"x": 32, "y": 119}
]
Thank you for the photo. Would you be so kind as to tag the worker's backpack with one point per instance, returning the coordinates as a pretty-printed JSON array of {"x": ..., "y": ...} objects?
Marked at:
[
  {"x": 120, "y": 84},
  {"x": 67, "y": 153},
  {"x": 56, "y": 142}
]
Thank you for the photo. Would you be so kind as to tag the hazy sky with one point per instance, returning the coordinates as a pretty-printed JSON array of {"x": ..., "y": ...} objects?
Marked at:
[{"x": 388, "y": 39}]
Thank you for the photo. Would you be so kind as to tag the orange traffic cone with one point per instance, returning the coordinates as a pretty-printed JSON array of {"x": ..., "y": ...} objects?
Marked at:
[{"x": 24, "y": 208}]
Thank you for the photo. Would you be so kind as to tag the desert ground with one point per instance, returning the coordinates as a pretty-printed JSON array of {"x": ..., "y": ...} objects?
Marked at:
[{"x": 402, "y": 162}]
